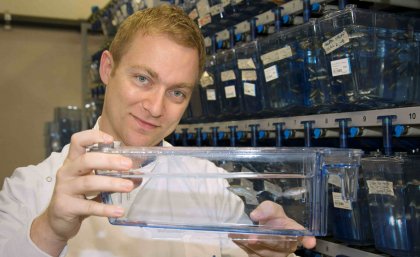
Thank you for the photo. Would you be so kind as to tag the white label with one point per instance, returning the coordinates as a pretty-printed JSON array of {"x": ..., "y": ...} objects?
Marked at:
[
  {"x": 249, "y": 89},
  {"x": 276, "y": 55},
  {"x": 335, "y": 180},
  {"x": 225, "y": 3},
  {"x": 339, "y": 202},
  {"x": 206, "y": 79},
  {"x": 271, "y": 73},
  {"x": 193, "y": 14},
  {"x": 228, "y": 75},
  {"x": 216, "y": 9},
  {"x": 203, "y": 8},
  {"x": 204, "y": 21},
  {"x": 380, "y": 187},
  {"x": 230, "y": 92},
  {"x": 249, "y": 75},
  {"x": 211, "y": 94},
  {"x": 336, "y": 42},
  {"x": 246, "y": 64},
  {"x": 340, "y": 67}
]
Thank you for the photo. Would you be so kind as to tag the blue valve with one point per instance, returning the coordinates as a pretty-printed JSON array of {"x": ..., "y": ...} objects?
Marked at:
[
  {"x": 219, "y": 44},
  {"x": 221, "y": 135},
  {"x": 177, "y": 136},
  {"x": 354, "y": 131},
  {"x": 204, "y": 136},
  {"x": 240, "y": 135},
  {"x": 238, "y": 37},
  {"x": 317, "y": 133},
  {"x": 260, "y": 28},
  {"x": 288, "y": 133},
  {"x": 316, "y": 7},
  {"x": 286, "y": 19},
  {"x": 399, "y": 130},
  {"x": 190, "y": 136},
  {"x": 261, "y": 134}
]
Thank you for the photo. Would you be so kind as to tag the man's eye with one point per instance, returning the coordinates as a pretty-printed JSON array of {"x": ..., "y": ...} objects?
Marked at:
[
  {"x": 142, "y": 79},
  {"x": 178, "y": 94}
]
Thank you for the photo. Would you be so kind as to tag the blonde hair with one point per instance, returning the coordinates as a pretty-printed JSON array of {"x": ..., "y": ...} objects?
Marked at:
[{"x": 165, "y": 19}]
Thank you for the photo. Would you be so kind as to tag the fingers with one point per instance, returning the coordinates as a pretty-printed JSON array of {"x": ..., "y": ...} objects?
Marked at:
[
  {"x": 87, "y": 208},
  {"x": 93, "y": 184},
  {"x": 84, "y": 164},
  {"x": 308, "y": 242},
  {"x": 81, "y": 140},
  {"x": 267, "y": 210},
  {"x": 266, "y": 245}
]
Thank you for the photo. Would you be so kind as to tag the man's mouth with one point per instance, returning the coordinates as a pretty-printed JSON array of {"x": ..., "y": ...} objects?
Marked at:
[{"x": 145, "y": 125}]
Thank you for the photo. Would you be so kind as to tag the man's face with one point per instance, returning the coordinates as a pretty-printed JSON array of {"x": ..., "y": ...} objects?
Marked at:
[{"x": 149, "y": 90}]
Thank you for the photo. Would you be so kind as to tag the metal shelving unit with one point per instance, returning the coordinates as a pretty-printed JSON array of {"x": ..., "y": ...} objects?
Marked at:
[{"x": 408, "y": 116}]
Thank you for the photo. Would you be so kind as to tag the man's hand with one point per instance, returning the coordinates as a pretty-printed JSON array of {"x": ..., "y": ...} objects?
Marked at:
[
  {"x": 271, "y": 214},
  {"x": 75, "y": 179}
]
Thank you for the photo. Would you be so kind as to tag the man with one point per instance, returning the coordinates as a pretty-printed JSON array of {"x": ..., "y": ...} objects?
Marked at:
[{"x": 150, "y": 71}]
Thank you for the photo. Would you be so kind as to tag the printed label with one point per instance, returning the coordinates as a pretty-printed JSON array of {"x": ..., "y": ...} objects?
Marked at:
[
  {"x": 204, "y": 21},
  {"x": 339, "y": 202},
  {"x": 271, "y": 73},
  {"x": 216, "y": 9},
  {"x": 380, "y": 187},
  {"x": 276, "y": 55},
  {"x": 249, "y": 89},
  {"x": 249, "y": 75},
  {"x": 335, "y": 180},
  {"x": 336, "y": 42},
  {"x": 211, "y": 94},
  {"x": 193, "y": 14},
  {"x": 206, "y": 79},
  {"x": 230, "y": 92},
  {"x": 246, "y": 64},
  {"x": 203, "y": 8},
  {"x": 340, "y": 67},
  {"x": 225, "y": 3},
  {"x": 228, "y": 75}
]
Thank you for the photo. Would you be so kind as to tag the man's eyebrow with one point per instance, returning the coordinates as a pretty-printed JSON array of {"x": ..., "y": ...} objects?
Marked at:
[{"x": 151, "y": 72}]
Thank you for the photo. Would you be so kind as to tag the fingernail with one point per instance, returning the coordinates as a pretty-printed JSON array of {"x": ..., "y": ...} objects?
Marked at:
[
  {"x": 119, "y": 211},
  {"x": 126, "y": 184},
  {"x": 126, "y": 162},
  {"x": 107, "y": 138},
  {"x": 255, "y": 214}
]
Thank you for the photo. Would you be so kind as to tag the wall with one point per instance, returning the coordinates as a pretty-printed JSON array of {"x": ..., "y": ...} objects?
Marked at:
[{"x": 40, "y": 69}]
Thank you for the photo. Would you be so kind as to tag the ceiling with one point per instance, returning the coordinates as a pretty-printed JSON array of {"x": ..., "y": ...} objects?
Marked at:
[{"x": 49, "y": 10}]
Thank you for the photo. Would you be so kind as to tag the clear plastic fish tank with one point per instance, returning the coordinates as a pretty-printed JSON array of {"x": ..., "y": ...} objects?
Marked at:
[
  {"x": 371, "y": 58},
  {"x": 349, "y": 220},
  {"x": 394, "y": 203},
  {"x": 251, "y": 77},
  {"x": 294, "y": 70},
  {"x": 214, "y": 189}
]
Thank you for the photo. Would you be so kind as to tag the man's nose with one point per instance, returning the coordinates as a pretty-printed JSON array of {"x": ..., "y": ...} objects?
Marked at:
[{"x": 154, "y": 103}]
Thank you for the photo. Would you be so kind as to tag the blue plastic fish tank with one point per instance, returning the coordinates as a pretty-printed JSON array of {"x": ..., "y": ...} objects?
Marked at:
[
  {"x": 371, "y": 57},
  {"x": 394, "y": 203}
]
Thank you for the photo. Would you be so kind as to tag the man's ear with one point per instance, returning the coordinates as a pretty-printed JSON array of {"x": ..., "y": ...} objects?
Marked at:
[{"x": 105, "y": 68}]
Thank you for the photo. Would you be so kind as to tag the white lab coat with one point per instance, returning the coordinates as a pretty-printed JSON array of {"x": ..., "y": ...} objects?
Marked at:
[{"x": 27, "y": 193}]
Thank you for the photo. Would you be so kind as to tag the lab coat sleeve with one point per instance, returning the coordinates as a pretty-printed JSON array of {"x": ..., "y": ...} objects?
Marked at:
[{"x": 24, "y": 196}]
